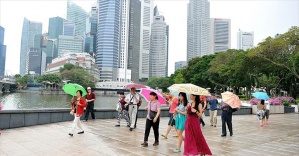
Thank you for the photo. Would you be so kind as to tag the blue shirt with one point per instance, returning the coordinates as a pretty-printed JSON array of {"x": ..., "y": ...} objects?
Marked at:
[{"x": 213, "y": 104}]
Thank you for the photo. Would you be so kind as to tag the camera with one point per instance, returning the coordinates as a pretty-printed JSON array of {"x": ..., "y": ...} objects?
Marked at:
[{"x": 131, "y": 103}]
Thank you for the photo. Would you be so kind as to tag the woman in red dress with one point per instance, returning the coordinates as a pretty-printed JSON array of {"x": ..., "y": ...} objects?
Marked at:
[{"x": 195, "y": 143}]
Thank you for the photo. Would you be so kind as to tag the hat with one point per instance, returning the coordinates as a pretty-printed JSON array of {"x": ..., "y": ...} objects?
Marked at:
[{"x": 88, "y": 88}]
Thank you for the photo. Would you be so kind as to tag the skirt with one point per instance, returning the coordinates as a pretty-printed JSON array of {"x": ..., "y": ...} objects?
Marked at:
[{"x": 180, "y": 121}]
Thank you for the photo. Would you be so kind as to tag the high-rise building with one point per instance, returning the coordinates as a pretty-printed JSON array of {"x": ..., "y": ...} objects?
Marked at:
[
  {"x": 198, "y": 22},
  {"x": 180, "y": 65},
  {"x": 51, "y": 50},
  {"x": 108, "y": 38},
  {"x": 68, "y": 28},
  {"x": 77, "y": 15},
  {"x": 91, "y": 31},
  {"x": 123, "y": 74},
  {"x": 68, "y": 44},
  {"x": 134, "y": 39},
  {"x": 147, "y": 8},
  {"x": 245, "y": 40},
  {"x": 158, "y": 49},
  {"x": 55, "y": 27},
  {"x": 30, "y": 29},
  {"x": 2, "y": 53},
  {"x": 220, "y": 35},
  {"x": 156, "y": 11},
  {"x": 34, "y": 61}
]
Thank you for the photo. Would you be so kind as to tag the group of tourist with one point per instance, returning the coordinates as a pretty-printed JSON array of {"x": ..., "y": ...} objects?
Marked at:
[{"x": 183, "y": 116}]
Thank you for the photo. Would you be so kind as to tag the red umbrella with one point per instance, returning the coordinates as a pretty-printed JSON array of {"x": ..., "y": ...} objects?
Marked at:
[{"x": 135, "y": 85}]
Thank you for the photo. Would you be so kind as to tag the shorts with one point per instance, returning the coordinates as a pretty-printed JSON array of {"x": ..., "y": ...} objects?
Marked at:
[
  {"x": 171, "y": 121},
  {"x": 267, "y": 114}
]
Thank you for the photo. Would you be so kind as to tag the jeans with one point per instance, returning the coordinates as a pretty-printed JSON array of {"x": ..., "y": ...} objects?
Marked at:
[
  {"x": 89, "y": 108},
  {"x": 148, "y": 125},
  {"x": 226, "y": 118}
]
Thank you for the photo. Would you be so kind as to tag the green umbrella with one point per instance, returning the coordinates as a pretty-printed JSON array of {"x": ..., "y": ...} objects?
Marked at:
[{"x": 72, "y": 88}]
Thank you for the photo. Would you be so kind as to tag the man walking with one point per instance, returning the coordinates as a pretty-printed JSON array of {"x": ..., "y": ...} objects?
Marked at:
[
  {"x": 226, "y": 118},
  {"x": 213, "y": 110},
  {"x": 90, "y": 98},
  {"x": 132, "y": 100}
]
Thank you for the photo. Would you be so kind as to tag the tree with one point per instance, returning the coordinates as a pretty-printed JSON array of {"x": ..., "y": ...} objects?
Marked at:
[
  {"x": 52, "y": 78},
  {"x": 78, "y": 75},
  {"x": 67, "y": 66},
  {"x": 162, "y": 83},
  {"x": 177, "y": 77}
]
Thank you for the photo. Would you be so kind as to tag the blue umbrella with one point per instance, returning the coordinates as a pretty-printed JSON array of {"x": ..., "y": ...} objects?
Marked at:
[{"x": 261, "y": 95}]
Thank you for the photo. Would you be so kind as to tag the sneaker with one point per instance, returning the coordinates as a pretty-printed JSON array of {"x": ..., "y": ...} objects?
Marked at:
[
  {"x": 215, "y": 126},
  {"x": 131, "y": 129},
  {"x": 156, "y": 143},
  {"x": 81, "y": 132},
  {"x": 71, "y": 134},
  {"x": 128, "y": 125},
  {"x": 223, "y": 135},
  {"x": 176, "y": 150},
  {"x": 231, "y": 134},
  {"x": 163, "y": 135},
  {"x": 117, "y": 125}
]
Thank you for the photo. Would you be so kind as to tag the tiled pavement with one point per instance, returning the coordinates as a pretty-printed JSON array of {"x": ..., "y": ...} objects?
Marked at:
[{"x": 101, "y": 138}]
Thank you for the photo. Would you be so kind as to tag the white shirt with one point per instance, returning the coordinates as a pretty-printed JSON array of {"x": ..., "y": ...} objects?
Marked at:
[
  {"x": 267, "y": 105},
  {"x": 129, "y": 97}
]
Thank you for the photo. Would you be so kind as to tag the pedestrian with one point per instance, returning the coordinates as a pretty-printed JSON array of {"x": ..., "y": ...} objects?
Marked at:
[
  {"x": 226, "y": 118},
  {"x": 195, "y": 143},
  {"x": 180, "y": 119},
  {"x": 132, "y": 100},
  {"x": 204, "y": 102},
  {"x": 78, "y": 105},
  {"x": 261, "y": 108},
  {"x": 173, "y": 103},
  {"x": 213, "y": 110},
  {"x": 122, "y": 113},
  {"x": 90, "y": 98},
  {"x": 138, "y": 105},
  {"x": 152, "y": 119},
  {"x": 267, "y": 111}
]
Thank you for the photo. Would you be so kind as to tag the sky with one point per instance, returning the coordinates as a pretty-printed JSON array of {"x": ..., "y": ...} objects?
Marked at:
[{"x": 264, "y": 17}]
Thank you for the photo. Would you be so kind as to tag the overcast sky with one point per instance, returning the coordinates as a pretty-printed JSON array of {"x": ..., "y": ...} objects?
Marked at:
[{"x": 264, "y": 17}]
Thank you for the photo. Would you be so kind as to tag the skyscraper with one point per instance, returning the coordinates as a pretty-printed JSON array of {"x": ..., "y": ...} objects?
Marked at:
[
  {"x": 158, "y": 49},
  {"x": 180, "y": 65},
  {"x": 68, "y": 44},
  {"x": 68, "y": 28},
  {"x": 220, "y": 35},
  {"x": 245, "y": 40},
  {"x": 134, "y": 39},
  {"x": 55, "y": 27},
  {"x": 77, "y": 15},
  {"x": 91, "y": 31},
  {"x": 2, "y": 53},
  {"x": 198, "y": 22},
  {"x": 147, "y": 8},
  {"x": 34, "y": 61},
  {"x": 30, "y": 29},
  {"x": 108, "y": 38}
]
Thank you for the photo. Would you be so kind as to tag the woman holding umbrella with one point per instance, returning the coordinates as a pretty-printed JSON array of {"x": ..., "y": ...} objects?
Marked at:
[{"x": 78, "y": 105}]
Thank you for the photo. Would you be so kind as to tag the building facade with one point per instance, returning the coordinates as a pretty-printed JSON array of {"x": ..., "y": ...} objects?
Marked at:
[
  {"x": 91, "y": 31},
  {"x": 84, "y": 60},
  {"x": 147, "y": 9},
  {"x": 36, "y": 61},
  {"x": 68, "y": 28},
  {"x": 77, "y": 15},
  {"x": 55, "y": 27},
  {"x": 220, "y": 35},
  {"x": 134, "y": 39},
  {"x": 180, "y": 65},
  {"x": 108, "y": 38},
  {"x": 2, "y": 53},
  {"x": 158, "y": 49},
  {"x": 29, "y": 30},
  {"x": 198, "y": 21},
  {"x": 245, "y": 40},
  {"x": 68, "y": 44}
]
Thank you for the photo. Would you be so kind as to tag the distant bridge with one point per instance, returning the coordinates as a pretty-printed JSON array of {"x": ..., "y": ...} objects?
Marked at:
[
  {"x": 111, "y": 86},
  {"x": 5, "y": 86}
]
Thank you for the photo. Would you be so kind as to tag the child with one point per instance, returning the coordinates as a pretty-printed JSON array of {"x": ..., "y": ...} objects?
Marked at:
[{"x": 122, "y": 113}]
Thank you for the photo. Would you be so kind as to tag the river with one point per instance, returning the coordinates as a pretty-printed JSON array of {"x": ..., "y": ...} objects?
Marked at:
[{"x": 15, "y": 101}]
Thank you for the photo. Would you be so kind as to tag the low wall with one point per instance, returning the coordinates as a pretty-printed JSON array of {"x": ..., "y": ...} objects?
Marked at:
[
  {"x": 23, "y": 118},
  {"x": 289, "y": 109}
]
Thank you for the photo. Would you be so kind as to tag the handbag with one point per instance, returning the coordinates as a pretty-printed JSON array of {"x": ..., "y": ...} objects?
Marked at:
[
  {"x": 73, "y": 110},
  {"x": 118, "y": 107},
  {"x": 152, "y": 114}
]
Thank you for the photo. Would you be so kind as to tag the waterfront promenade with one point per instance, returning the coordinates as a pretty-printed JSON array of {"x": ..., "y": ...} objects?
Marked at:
[{"x": 101, "y": 138}]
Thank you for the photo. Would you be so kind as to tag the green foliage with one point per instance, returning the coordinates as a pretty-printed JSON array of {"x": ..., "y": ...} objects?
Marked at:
[
  {"x": 77, "y": 75},
  {"x": 285, "y": 103},
  {"x": 52, "y": 78},
  {"x": 162, "y": 83},
  {"x": 67, "y": 66}
]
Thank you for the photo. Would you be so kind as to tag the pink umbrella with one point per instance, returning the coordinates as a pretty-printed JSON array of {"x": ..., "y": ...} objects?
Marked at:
[
  {"x": 134, "y": 85},
  {"x": 145, "y": 92},
  {"x": 0, "y": 106}
]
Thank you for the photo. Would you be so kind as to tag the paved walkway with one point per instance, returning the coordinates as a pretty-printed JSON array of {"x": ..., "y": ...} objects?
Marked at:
[{"x": 101, "y": 138}]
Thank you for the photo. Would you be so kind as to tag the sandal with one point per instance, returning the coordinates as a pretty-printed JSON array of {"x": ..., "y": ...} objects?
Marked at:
[
  {"x": 175, "y": 136},
  {"x": 163, "y": 135},
  {"x": 176, "y": 150}
]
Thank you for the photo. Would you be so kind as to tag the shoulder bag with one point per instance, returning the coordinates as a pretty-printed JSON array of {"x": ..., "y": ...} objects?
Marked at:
[{"x": 152, "y": 114}]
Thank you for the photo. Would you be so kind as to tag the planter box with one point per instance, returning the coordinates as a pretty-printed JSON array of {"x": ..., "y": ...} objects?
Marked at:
[
  {"x": 289, "y": 109},
  {"x": 296, "y": 107},
  {"x": 273, "y": 109}
]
